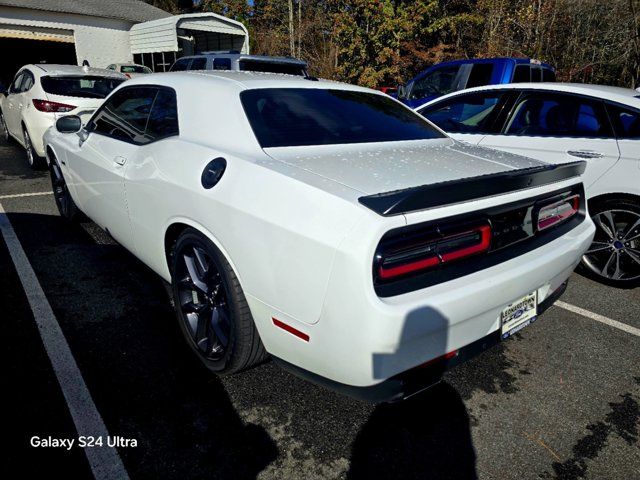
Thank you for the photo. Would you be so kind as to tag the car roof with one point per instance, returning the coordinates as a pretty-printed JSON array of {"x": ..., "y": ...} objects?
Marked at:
[
  {"x": 616, "y": 94},
  {"x": 243, "y": 80},
  {"x": 242, "y": 56},
  {"x": 517, "y": 60},
  {"x": 55, "y": 69}
]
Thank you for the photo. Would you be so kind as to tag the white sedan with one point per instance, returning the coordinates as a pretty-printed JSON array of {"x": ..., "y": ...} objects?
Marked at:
[
  {"x": 39, "y": 94},
  {"x": 130, "y": 70},
  {"x": 323, "y": 223},
  {"x": 560, "y": 123}
]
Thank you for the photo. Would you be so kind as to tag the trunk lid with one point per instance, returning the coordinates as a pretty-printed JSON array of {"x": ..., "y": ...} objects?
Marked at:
[{"x": 373, "y": 168}]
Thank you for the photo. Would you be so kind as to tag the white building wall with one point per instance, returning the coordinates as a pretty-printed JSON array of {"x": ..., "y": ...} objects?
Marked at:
[{"x": 101, "y": 41}]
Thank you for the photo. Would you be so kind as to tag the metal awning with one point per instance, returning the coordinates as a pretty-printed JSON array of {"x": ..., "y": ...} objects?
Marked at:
[
  {"x": 188, "y": 34},
  {"x": 36, "y": 33}
]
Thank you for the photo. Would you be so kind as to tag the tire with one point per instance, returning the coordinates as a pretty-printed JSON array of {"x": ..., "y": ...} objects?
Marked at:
[
  {"x": 66, "y": 206},
  {"x": 4, "y": 131},
  {"x": 211, "y": 308},
  {"x": 36, "y": 162},
  {"x": 614, "y": 256}
]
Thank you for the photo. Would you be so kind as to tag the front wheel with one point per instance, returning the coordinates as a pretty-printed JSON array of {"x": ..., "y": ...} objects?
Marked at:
[
  {"x": 614, "y": 256},
  {"x": 211, "y": 307}
]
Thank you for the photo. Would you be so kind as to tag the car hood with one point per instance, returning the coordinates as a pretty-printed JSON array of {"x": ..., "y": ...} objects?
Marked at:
[{"x": 372, "y": 168}]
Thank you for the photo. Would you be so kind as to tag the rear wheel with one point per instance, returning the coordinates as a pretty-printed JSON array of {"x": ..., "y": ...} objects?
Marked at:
[
  {"x": 35, "y": 161},
  {"x": 614, "y": 256},
  {"x": 66, "y": 206},
  {"x": 211, "y": 307}
]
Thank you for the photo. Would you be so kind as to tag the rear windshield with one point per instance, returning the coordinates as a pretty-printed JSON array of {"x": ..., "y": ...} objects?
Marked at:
[
  {"x": 134, "y": 69},
  {"x": 270, "y": 67},
  {"x": 80, "y": 86},
  {"x": 287, "y": 117}
]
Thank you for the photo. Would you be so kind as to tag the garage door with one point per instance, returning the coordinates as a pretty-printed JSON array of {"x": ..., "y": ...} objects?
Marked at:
[{"x": 24, "y": 46}]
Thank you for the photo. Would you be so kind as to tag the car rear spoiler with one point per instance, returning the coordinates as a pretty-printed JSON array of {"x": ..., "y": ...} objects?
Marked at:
[{"x": 456, "y": 191}]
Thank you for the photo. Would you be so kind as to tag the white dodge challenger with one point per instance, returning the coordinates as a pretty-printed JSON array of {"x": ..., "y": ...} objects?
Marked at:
[{"x": 324, "y": 224}]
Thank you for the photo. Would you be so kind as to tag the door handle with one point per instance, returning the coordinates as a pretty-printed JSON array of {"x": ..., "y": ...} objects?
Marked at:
[
  {"x": 585, "y": 154},
  {"x": 120, "y": 160}
]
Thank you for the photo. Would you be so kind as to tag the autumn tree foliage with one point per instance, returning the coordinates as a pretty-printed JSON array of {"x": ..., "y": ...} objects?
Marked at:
[{"x": 385, "y": 42}]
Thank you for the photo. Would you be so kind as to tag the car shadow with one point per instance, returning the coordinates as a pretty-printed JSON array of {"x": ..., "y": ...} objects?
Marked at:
[
  {"x": 144, "y": 380},
  {"x": 148, "y": 385},
  {"x": 427, "y": 435}
]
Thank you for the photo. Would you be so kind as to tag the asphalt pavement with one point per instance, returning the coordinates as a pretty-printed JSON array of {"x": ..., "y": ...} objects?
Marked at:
[{"x": 561, "y": 399}]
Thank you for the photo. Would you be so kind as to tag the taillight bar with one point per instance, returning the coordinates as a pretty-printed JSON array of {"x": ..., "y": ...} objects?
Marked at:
[
  {"x": 55, "y": 107},
  {"x": 557, "y": 212},
  {"x": 433, "y": 251}
]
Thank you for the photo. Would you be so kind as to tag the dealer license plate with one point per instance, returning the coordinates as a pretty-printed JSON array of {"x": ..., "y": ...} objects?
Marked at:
[{"x": 519, "y": 314}]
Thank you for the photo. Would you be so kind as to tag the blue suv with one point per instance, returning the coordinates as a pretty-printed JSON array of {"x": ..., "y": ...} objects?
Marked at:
[{"x": 448, "y": 77}]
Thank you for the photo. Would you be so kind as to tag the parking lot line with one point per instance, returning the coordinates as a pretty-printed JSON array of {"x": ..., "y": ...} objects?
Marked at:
[
  {"x": 599, "y": 318},
  {"x": 19, "y": 195},
  {"x": 105, "y": 462}
]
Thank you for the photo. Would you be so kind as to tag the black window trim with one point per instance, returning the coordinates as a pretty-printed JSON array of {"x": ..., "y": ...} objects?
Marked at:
[{"x": 90, "y": 124}]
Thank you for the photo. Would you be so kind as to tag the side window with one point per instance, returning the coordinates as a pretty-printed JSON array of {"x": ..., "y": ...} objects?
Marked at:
[
  {"x": 522, "y": 74},
  {"x": 548, "y": 75},
  {"x": 199, "y": 63},
  {"x": 480, "y": 75},
  {"x": 536, "y": 74},
  {"x": 27, "y": 82},
  {"x": 626, "y": 122},
  {"x": 222, "y": 64},
  {"x": 15, "y": 86},
  {"x": 163, "y": 121},
  {"x": 180, "y": 65},
  {"x": 472, "y": 113},
  {"x": 552, "y": 115},
  {"x": 437, "y": 82},
  {"x": 124, "y": 115}
]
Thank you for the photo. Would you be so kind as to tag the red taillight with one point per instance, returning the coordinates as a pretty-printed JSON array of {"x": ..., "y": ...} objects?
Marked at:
[
  {"x": 55, "y": 107},
  {"x": 127, "y": 75},
  {"x": 558, "y": 212},
  {"x": 433, "y": 251}
]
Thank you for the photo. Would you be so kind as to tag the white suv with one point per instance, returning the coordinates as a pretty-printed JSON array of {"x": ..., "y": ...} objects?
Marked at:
[{"x": 40, "y": 94}]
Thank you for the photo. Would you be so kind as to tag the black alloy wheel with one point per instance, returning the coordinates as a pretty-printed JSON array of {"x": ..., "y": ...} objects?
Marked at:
[
  {"x": 211, "y": 307},
  {"x": 66, "y": 206}
]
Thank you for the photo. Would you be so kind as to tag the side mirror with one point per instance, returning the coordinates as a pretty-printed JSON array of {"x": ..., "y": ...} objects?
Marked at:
[{"x": 69, "y": 124}]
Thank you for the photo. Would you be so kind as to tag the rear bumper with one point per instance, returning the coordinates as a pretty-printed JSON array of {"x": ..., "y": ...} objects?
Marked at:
[{"x": 415, "y": 380}]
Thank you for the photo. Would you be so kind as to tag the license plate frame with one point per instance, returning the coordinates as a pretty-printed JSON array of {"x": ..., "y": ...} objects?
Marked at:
[{"x": 518, "y": 314}]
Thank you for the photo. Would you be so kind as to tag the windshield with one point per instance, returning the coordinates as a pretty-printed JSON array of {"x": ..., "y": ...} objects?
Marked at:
[
  {"x": 270, "y": 67},
  {"x": 287, "y": 117},
  {"x": 80, "y": 86},
  {"x": 438, "y": 82},
  {"x": 134, "y": 69}
]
